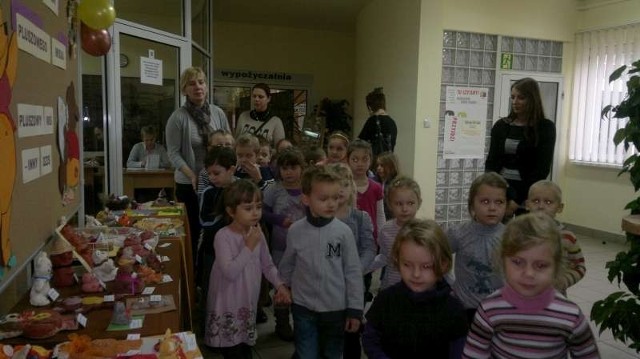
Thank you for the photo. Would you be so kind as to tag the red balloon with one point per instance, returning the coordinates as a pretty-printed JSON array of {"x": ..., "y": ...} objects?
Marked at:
[{"x": 95, "y": 42}]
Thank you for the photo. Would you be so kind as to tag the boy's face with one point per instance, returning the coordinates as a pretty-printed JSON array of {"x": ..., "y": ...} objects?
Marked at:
[
  {"x": 323, "y": 199},
  {"x": 544, "y": 199},
  {"x": 489, "y": 205},
  {"x": 264, "y": 156},
  {"x": 246, "y": 154},
  {"x": 220, "y": 177},
  {"x": 359, "y": 161},
  {"x": 229, "y": 141},
  {"x": 219, "y": 140}
]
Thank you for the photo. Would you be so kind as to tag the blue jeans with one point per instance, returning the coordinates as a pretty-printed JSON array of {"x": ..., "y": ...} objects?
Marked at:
[{"x": 318, "y": 334}]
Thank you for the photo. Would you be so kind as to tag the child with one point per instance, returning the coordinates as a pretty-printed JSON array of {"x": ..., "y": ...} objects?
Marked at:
[
  {"x": 528, "y": 318},
  {"x": 264, "y": 154},
  {"x": 247, "y": 149},
  {"x": 545, "y": 196},
  {"x": 242, "y": 256},
  {"x": 404, "y": 200},
  {"x": 370, "y": 196},
  {"x": 321, "y": 266},
  {"x": 386, "y": 171},
  {"x": 362, "y": 228},
  {"x": 417, "y": 317},
  {"x": 315, "y": 156},
  {"x": 283, "y": 206},
  {"x": 337, "y": 144},
  {"x": 282, "y": 145},
  {"x": 474, "y": 242},
  {"x": 217, "y": 138}
]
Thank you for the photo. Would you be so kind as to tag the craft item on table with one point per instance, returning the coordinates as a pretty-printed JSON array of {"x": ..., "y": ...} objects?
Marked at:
[
  {"x": 61, "y": 255},
  {"x": 78, "y": 304},
  {"x": 41, "y": 277},
  {"x": 20, "y": 352},
  {"x": 10, "y": 326},
  {"x": 117, "y": 203},
  {"x": 81, "y": 347},
  {"x": 148, "y": 275},
  {"x": 45, "y": 323},
  {"x": 169, "y": 347},
  {"x": 121, "y": 314},
  {"x": 82, "y": 246},
  {"x": 149, "y": 238},
  {"x": 136, "y": 249},
  {"x": 106, "y": 217},
  {"x": 29, "y": 352},
  {"x": 91, "y": 221},
  {"x": 127, "y": 282},
  {"x": 124, "y": 221},
  {"x": 91, "y": 284},
  {"x": 144, "y": 305},
  {"x": 72, "y": 304},
  {"x": 161, "y": 201},
  {"x": 159, "y": 224},
  {"x": 126, "y": 257},
  {"x": 153, "y": 261},
  {"x": 104, "y": 268},
  {"x": 92, "y": 300}
]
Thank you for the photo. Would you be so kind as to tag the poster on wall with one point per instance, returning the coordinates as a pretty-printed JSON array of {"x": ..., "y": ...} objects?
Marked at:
[{"x": 465, "y": 119}]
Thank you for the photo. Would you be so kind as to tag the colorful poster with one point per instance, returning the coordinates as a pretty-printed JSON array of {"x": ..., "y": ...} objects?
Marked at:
[{"x": 465, "y": 122}]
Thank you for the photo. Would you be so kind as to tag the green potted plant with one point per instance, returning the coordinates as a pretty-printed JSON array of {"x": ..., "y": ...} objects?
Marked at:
[{"x": 620, "y": 311}]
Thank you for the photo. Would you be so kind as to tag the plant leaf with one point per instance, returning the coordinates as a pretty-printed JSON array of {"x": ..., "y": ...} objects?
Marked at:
[{"x": 617, "y": 73}]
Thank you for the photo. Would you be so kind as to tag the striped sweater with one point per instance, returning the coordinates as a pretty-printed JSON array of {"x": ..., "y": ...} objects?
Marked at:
[{"x": 508, "y": 325}]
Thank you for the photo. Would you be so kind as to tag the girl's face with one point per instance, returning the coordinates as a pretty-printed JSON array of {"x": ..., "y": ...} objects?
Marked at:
[
  {"x": 416, "y": 267},
  {"x": 531, "y": 271},
  {"x": 246, "y": 214},
  {"x": 291, "y": 175},
  {"x": 264, "y": 156},
  {"x": 489, "y": 205},
  {"x": 336, "y": 150},
  {"x": 283, "y": 145},
  {"x": 381, "y": 171},
  {"x": 518, "y": 102},
  {"x": 359, "y": 161},
  {"x": 260, "y": 99},
  {"x": 220, "y": 177},
  {"x": 404, "y": 204},
  {"x": 346, "y": 193}
]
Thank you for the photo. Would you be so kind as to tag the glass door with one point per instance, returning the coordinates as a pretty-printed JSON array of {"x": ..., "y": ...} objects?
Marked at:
[
  {"x": 551, "y": 91},
  {"x": 144, "y": 82}
]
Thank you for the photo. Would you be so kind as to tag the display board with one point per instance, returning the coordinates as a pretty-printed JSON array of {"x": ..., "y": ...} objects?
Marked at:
[{"x": 39, "y": 126}]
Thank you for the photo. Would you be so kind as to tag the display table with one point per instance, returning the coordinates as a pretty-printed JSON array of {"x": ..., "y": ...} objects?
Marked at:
[
  {"x": 133, "y": 179},
  {"x": 98, "y": 319}
]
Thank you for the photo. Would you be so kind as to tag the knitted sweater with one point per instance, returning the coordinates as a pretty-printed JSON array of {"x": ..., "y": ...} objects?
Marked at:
[
  {"x": 273, "y": 130},
  {"x": 508, "y": 325}
]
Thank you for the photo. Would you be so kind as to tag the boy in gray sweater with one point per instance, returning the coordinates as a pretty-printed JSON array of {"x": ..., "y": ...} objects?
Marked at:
[{"x": 322, "y": 267}]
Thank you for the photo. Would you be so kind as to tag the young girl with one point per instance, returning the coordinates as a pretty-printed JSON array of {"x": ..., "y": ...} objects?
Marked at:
[
  {"x": 529, "y": 318},
  {"x": 337, "y": 145},
  {"x": 370, "y": 196},
  {"x": 362, "y": 228},
  {"x": 404, "y": 200},
  {"x": 283, "y": 206},
  {"x": 315, "y": 156},
  {"x": 475, "y": 242},
  {"x": 386, "y": 171},
  {"x": 242, "y": 256},
  {"x": 417, "y": 317}
]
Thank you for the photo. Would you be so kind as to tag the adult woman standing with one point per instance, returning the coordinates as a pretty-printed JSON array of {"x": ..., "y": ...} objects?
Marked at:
[
  {"x": 260, "y": 121},
  {"x": 187, "y": 134},
  {"x": 380, "y": 130},
  {"x": 522, "y": 143}
]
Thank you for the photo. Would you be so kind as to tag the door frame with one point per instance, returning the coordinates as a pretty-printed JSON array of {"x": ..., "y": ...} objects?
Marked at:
[
  {"x": 503, "y": 93},
  {"x": 114, "y": 106}
]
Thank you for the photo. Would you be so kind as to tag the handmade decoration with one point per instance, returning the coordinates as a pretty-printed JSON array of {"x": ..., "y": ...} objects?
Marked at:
[
  {"x": 69, "y": 148},
  {"x": 127, "y": 282},
  {"x": 104, "y": 268},
  {"x": 8, "y": 70},
  {"x": 10, "y": 326},
  {"x": 81, "y": 346},
  {"x": 46, "y": 323},
  {"x": 61, "y": 255},
  {"x": 169, "y": 346},
  {"x": 42, "y": 275},
  {"x": 91, "y": 284},
  {"x": 121, "y": 315}
]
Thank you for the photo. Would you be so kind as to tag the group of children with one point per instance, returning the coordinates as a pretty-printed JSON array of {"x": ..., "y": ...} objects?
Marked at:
[{"x": 330, "y": 224}]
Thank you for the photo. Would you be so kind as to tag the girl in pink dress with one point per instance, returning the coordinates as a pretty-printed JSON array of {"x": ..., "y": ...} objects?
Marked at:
[{"x": 242, "y": 256}]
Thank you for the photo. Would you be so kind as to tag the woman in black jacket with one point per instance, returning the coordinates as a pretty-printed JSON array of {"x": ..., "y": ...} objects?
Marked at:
[
  {"x": 380, "y": 129},
  {"x": 522, "y": 143}
]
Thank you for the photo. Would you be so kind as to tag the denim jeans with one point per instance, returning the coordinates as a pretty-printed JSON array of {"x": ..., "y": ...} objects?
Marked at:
[{"x": 318, "y": 334}]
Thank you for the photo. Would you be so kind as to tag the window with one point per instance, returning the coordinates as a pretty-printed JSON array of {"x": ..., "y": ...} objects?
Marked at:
[{"x": 598, "y": 54}]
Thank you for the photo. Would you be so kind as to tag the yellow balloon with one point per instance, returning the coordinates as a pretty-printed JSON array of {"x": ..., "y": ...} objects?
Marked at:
[{"x": 97, "y": 14}]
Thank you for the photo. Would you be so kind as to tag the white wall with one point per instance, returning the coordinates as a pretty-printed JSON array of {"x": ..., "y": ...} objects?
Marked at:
[{"x": 328, "y": 56}]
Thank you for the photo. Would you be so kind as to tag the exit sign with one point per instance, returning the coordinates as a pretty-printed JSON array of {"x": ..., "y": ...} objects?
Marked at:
[{"x": 506, "y": 61}]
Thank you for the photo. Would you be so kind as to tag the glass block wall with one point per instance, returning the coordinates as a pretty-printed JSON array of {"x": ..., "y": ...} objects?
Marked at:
[{"x": 470, "y": 59}]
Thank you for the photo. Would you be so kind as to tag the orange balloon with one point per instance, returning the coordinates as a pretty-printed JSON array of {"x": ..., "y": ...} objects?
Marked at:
[{"x": 95, "y": 42}]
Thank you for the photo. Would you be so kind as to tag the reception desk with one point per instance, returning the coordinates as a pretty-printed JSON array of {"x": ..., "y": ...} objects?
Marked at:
[{"x": 133, "y": 179}]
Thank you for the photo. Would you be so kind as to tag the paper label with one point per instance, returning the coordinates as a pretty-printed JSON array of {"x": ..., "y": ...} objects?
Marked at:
[
  {"x": 155, "y": 298},
  {"x": 166, "y": 278},
  {"x": 109, "y": 298},
  {"x": 148, "y": 290},
  {"x": 133, "y": 336},
  {"x": 81, "y": 319},
  {"x": 53, "y": 294}
]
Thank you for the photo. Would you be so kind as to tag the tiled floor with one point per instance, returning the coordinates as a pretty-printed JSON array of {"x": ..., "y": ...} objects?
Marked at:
[{"x": 592, "y": 287}]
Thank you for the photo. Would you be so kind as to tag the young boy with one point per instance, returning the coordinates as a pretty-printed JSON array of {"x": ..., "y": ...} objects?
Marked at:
[
  {"x": 247, "y": 149},
  {"x": 322, "y": 267},
  {"x": 546, "y": 196},
  {"x": 217, "y": 138}
]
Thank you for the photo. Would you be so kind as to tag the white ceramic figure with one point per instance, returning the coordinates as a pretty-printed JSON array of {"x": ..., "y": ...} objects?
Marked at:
[
  {"x": 104, "y": 268},
  {"x": 41, "y": 277}
]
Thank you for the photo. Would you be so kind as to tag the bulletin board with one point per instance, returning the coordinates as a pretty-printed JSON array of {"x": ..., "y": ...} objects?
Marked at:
[{"x": 39, "y": 126}]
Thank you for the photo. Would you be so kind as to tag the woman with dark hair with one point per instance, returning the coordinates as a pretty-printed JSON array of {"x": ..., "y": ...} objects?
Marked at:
[
  {"x": 380, "y": 129},
  {"x": 522, "y": 143},
  {"x": 260, "y": 121}
]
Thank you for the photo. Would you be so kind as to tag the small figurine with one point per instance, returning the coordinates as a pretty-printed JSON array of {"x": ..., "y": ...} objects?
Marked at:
[
  {"x": 61, "y": 255},
  {"x": 121, "y": 315},
  {"x": 91, "y": 284},
  {"x": 168, "y": 346},
  {"x": 42, "y": 275},
  {"x": 104, "y": 268}
]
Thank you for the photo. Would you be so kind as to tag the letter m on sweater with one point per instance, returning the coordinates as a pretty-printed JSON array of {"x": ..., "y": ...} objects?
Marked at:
[{"x": 333, "y": 250}]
